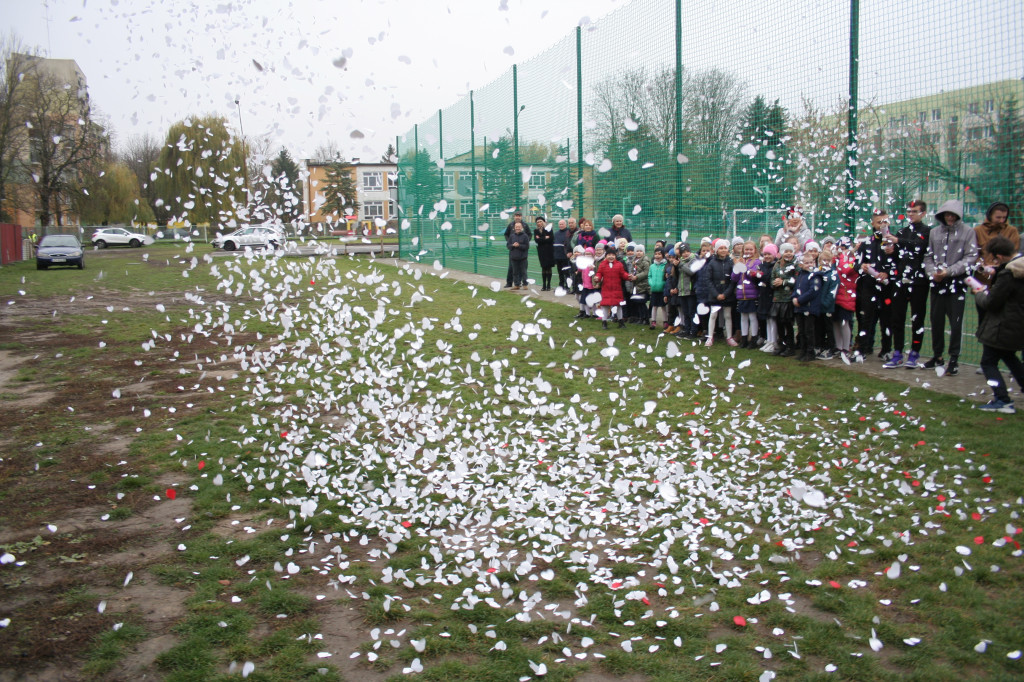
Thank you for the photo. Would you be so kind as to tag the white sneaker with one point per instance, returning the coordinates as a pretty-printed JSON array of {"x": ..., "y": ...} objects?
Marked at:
[{"x": 768, "y": 347}]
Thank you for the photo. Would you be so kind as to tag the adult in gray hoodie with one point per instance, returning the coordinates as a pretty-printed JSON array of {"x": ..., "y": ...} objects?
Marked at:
[{"x": 952, "y": 250}]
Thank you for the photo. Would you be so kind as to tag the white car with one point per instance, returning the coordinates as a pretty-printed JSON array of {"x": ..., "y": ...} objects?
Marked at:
[
  {"x": 118, "y": 236},
  {"x": 252, "y": 236}
]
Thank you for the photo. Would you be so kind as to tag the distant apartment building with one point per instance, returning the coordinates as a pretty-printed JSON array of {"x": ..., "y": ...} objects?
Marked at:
[
  {"x": 376, "y": 187},
  {"x": 955, "y": 129},
  {"x": 21, "y": 203}
]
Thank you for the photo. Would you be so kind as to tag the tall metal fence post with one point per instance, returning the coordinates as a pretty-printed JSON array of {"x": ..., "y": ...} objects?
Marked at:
[
  {"x": 679, "y": 119},
  {"x": 851, "y": 142},
  {"x": 579, "y": 122},
  {"x": 398, "y": 197},
  {"x": 515, "y": 135},
  {"x": 472, "y": 171},
  {"x": 440, "y": 165},
  {"x": 416, "y": 185}
]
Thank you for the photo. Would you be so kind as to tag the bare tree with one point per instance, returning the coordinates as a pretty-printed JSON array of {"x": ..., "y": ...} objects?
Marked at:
[
  {"x": 64, "y": 140},
  {"x": 140, "y": 153},
  {"x": 15, "y": 66}
]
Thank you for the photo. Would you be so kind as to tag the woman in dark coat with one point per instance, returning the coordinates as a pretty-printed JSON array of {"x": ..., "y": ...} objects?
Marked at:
[
  {"x": 545, "y": 240},
  {"x": 1001, "y": 330}
]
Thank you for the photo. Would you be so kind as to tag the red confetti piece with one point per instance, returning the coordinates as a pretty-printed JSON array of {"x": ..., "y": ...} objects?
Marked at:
[
  {"x": 646, "y": 601},
  {"x": 923, "y": 428},
  {"x": 941, "y": 498},
  {"x": 740, "y": 621},
  {"x": 851, "y": 543},
  {"x": 492, "y": 570},
  {"x": 976, "y": 516},
  {"x": 704, "y": 521},
  {"x": 616, "y": 585},
  {"x": 834, "y": 584},
  {"x": 987, "y": 479},
  {"x": 888, "y": 301},
  {"x": 979, "y": 540},
  {"x": 406, "y": 524},
  {"x": 284, "y": 434},
  {"x": 171, "y": 493},
  {"x": 202, "y": 464},
  {"x": 312, "y": 282},
  {"x": 940, "y": 508}
]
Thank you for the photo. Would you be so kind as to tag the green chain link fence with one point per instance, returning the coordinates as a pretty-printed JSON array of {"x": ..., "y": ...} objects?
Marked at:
[{"x": 709, "y": 118}]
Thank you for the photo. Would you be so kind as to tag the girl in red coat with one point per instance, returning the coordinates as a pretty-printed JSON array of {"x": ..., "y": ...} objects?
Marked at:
[
  {"x": 846, "y": 298},
  {"x": 611, "y": 274}
]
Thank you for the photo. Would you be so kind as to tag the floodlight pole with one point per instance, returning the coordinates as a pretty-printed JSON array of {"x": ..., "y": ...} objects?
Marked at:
[{"x": 851, "y": 140}]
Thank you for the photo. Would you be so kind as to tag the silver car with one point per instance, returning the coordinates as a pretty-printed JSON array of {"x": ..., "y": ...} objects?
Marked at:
[{"x": 118, "y": 236}]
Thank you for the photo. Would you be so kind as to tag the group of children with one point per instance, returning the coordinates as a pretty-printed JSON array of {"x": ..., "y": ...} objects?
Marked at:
[{"x": 790, "y": 300}]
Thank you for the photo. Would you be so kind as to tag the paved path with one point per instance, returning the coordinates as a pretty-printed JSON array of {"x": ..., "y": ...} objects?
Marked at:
[{"x": 966, "y": 385}]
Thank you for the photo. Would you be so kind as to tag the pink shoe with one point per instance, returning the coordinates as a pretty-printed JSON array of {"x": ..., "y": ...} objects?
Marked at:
[
  {"x": 710, "y": 342},
  {"x": 732, "y": 342}
]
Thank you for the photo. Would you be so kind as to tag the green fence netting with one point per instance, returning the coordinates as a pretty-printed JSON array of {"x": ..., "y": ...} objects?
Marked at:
[{"x": 709, "y": 118}]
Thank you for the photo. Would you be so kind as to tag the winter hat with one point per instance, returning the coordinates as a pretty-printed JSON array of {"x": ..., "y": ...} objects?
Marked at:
[
  {"x": 812, "y": 245},
  {"x": 719, "y": 243},
  {"x": 631, "y": 247},
  {"x": 737, "y": 240},
  {"x": 639, "y": 248},
  {"x": 705, "y": 240},
  {"x": 786, "y": 246},
  {"x": 684, "y": 247},
  {"x": 589, "y": 250},
  {"x": 845, "y": 242},
  {"x": 579, "y": 249},
  {"x": 603, "y": 243},
  {"x": 828, "y": 239},
  {"x": 996, "y": 206},
  {"x": 770, "y": 250}
]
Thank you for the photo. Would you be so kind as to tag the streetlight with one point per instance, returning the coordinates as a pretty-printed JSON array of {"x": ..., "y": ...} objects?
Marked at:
[
  {"x": 519, "y": 180},
  {"x": 245, "y": 151}
]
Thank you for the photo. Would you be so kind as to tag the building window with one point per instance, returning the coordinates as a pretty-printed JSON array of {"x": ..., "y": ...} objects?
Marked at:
[
  {"x": 973, "y": 108},
  {"x": 933, "y": 139},
  {"x": 936, "y": 114},
  {"x": 973, "y": 133},
  {"x": 922, "y": 116},
  {"x": 466, "y": 208},
  {"x": 373, "y": 209},
  {"x": 988, "y": 132},
  {"x": 934, "y": 186},
  {"x": 971, "y": 158},
  {"x": 990, "y": 106},
  {"x": 538, "y": 180},
  {"x": 447, "y": 181},
  {"x": 373, "y": 181}
]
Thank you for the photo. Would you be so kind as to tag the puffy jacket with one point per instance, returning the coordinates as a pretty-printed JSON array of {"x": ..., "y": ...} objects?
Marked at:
[
  {"x": 787, "y": 272},
  {"x": 950, "y": 247},
  {"x": 807, "y": 292},
  {"x": 746, "y": 282},
  {"x": 523, "y": 241},
  {"x": 721, "y": 281},
  {"x": 829, "y": 288},
  {"x": 984, "y": 232},
  {"x": 688, "y": 278},
  {"x": 846, "y": 294},
  {"x": 1003, "y": 303},
  {"x": 656, "y": 277},
  {"x": 586, "y": 239},
  {"x": 912, "y": 242},
  {"x": 641, "y": 268}
]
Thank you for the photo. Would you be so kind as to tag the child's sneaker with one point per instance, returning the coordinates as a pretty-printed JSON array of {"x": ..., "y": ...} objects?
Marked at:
[
  {"x": 912, "y": 360},
  {"x": 999, "y": 406},
  {"x": 731, "y": 341},
  {"x": 895, "y": 361}
]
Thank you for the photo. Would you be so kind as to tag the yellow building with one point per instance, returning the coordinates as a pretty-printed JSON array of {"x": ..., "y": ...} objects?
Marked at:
[{"x": 376, "y": 187}]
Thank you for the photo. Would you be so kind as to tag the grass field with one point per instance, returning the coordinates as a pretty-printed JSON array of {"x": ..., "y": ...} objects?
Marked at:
[{"x": 452, "y": 483}]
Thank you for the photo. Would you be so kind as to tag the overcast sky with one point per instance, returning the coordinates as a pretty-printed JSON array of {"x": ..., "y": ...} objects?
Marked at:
[{"x": 303, "y": 70}]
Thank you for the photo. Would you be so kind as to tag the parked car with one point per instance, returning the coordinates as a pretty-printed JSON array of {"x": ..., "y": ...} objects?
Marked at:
[
  {"x": 251, "y": 236},
  {"x": 59, "y": 249},
  {"x": 118, "y": 236}
]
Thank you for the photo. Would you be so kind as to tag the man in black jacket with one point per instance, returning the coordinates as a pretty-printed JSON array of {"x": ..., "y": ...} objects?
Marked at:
[
  {"x": 911, "y": 286},
  {"x": 873, "y": 306},
  {"x": 1001, "y": 332}
]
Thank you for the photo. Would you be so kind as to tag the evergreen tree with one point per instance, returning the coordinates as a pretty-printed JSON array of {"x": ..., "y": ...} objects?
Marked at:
[
  {"x": 502, "y": 184},
  {"x": 285, "y": 189},
  {"x": 1001, "y": 165},
  {"x": 419, "y": 182},
  {"x": 339, "y": 190},
  {"x": 390, "y": 156},
  {"x": 761, "y": 158}
]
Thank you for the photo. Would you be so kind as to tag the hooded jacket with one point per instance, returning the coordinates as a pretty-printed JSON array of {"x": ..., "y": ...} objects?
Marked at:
[
  {"x": 986, "y": 231},
  {"x": 912, "y": 241},
  {"x": 1003, "y": 324},
  {"x": 952, "y": 248}
]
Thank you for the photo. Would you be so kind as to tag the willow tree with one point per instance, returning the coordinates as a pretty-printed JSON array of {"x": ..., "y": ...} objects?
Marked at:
[{"x": 200, "y": 175}]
